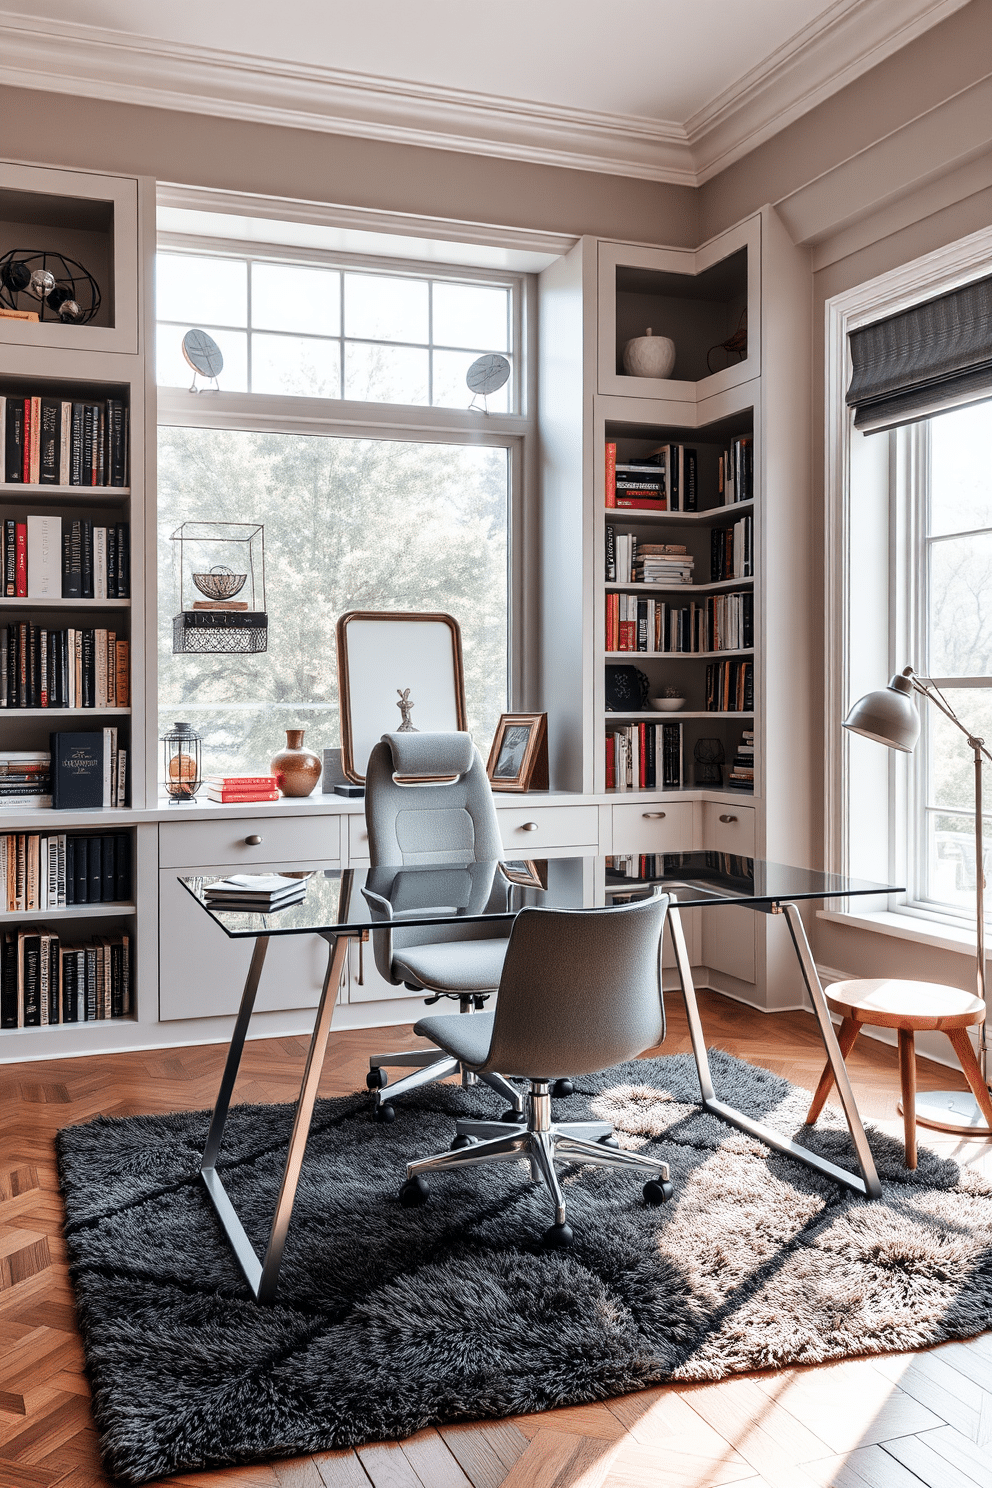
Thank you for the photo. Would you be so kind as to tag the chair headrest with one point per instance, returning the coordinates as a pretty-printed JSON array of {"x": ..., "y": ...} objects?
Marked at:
[{"x": 430, "y": 755}]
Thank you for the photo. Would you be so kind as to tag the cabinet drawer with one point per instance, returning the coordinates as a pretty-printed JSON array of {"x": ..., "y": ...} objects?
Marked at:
[
  {"x": 728, "y": 828},
  {"x": 281, "y": 840},
  {"x": 358, "y": 839},
  {"x": 652, "y": 828},
  {"x": 563, "y": 826}
]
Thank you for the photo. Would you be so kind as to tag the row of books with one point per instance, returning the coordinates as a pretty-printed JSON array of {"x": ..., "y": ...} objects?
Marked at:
[
  {"x": 647, "y": 866},
  {"x": 235, "y": 788},
  {"x": 730, "y": 687},
  {"x": 630, "y": 561},
  {"x": 80, "y": 772},
  {"x": 741, "y": 774},
  {"x": 665, "y": 479},
  {"x": 59, "y": 442},
  {"x": 732, "y": 551},
  {"x": 720, "y": 622},
  {"x": 70, "y": 668},
  {"x": 644, "y": 756},
  {"x": 641, "y": 866},
  {"x": 45, "y": 980},
  {"x": 735, "y": 481},
  {"x": 43, "y": 557},
  {"x": 55, "y": 870}
]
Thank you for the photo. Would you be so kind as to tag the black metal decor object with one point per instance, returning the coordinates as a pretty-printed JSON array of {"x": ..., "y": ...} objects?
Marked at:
[
  {"x": 57, "y": 287},
  {"x": 181, "y": 764},
  {"x": 221, "y": 604},
  {"x": 627, "y": 689}
]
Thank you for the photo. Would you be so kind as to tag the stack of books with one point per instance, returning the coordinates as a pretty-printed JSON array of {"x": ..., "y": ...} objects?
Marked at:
[
  {"x": 742, "y": 770},
  {"x": 234, "y": 788},
  {"x": 58, "y": 442},
  {"x": 256, "y": 892},
  {"x": 42, "y": 557},
  {"x": 70, "y": 668},
  {"x": 661, "y": 563},
  {"x": 25, "y": 779},
  {"x": 44, "y": 980}
]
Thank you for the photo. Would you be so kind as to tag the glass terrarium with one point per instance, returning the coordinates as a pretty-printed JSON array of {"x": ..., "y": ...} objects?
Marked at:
[{"x": 219, "y": 572}]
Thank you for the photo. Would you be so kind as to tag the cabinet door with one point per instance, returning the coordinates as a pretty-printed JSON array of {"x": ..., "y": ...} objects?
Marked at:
[
  {"x": 728, "y": 940},
  {"x": 202, "y": 972}
]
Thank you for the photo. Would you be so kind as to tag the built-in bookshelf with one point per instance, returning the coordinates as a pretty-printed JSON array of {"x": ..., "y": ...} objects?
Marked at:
[{"x": 72, "y": 401}]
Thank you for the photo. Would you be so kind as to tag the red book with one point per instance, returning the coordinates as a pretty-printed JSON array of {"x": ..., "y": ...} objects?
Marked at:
[
  {"x": 27, "y": 443},
  {"x": 249, "y": 795},
  {"x": 642, "y": 755},
  {"x": 21, "y": 552},
  {"x": 611, "y": 473},
  {"x": 242, "y": 782},
  {"x": 628, "y": 635},
  {"x": 640, "y": 503},
  {"x": 611, "y": 766}
]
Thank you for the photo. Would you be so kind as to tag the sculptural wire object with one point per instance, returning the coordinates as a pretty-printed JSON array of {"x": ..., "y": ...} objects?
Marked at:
[
  {"x": 219, "y": 623},
  {"x": 735, "y": 345},
  {"x": 38, "y": 279}
]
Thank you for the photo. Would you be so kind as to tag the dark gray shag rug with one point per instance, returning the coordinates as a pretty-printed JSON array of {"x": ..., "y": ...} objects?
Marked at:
[{"x": 391, "y": 1319}]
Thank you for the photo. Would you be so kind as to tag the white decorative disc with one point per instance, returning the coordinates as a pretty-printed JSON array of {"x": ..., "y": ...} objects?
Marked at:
[
  {"x": 487, "y": 373},
  {"x": 203, "y": 353}
]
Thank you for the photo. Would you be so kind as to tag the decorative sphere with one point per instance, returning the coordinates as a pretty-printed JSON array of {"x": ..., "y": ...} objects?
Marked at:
[
  {"x": 42, "y": 283},
  {"x": 649, "y": 356},
  {"x": 16, "y": 276},
  {"x": 69, "y": 310}
]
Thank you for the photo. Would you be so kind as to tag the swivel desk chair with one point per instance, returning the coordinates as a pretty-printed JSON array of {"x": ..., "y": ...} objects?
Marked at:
[
  {"x": 580, "y": 990},
  {"x": 439, "y": 811}
]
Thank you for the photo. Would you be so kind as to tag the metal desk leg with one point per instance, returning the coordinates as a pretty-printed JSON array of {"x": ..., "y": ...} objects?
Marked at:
[
  {"x": 868, "y": 1183},
  {"x": 263, "y": 1276}
]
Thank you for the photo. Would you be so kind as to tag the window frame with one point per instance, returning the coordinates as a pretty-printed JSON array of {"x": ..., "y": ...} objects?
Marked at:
[{"x": 341, "y": 417}]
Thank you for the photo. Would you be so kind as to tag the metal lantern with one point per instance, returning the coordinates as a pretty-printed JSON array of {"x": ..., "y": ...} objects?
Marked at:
[
  {"x": 181, "y": 764},
  {"x": 220, "y": 588}
]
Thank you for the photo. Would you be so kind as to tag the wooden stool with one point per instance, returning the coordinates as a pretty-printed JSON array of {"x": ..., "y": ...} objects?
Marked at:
[{"x": 911, "y": 1008}]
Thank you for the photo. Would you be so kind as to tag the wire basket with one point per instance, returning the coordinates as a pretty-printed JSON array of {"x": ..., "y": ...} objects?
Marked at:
[{"x": 195, "y": 639}]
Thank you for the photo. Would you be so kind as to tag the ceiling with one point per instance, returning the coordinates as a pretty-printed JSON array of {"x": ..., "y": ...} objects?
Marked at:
[{"x": 664, "y": 89}]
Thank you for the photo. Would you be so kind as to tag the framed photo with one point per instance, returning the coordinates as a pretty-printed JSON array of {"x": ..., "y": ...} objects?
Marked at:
[
  {"x": 530, "y": 873},
  {"x": 396, "y": 667},
  {"x": 518, "y": 760}
]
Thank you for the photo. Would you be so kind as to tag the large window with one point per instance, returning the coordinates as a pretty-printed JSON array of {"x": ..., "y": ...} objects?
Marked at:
[
  {"x": 950, "y": 482},
  {"x": 359, "y": 512}
]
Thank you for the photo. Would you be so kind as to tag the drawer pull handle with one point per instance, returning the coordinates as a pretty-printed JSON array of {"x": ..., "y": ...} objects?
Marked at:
[
  {"x": 653, "y": 815},
  {"x": 529, "y": 827},
  {"x": 253, "y": 841},
  {"x": 728, "y": 818}
]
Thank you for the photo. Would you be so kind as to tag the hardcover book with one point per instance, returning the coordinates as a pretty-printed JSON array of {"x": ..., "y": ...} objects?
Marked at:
[{"x": 77, "y": 771}]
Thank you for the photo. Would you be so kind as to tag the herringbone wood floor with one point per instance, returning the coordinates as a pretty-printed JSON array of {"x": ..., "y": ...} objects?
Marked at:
[{"x": 894, "y": 1422}]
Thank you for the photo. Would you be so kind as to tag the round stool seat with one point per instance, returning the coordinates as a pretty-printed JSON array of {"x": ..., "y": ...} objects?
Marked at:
[{"x": 889, "y": 1002}]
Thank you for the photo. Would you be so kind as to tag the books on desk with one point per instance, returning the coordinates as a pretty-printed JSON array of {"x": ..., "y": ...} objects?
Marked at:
[
  {"x": 230, "y": 789},
  {"x": 256, "y": 892}
]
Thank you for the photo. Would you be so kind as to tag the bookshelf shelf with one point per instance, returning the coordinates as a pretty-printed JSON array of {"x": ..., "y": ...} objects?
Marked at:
[
  {"x": 713, "y": 516},
  {"x": 653, "y": 717},
  {"x": 71, "y": 912},
  {"x": 63, "y": 604},
  {"x": 13, "y": 713},
  {"x": 675, "y": 656},
  {"x": 720, "y": 586},
  {"x": 14, "y": 491}
]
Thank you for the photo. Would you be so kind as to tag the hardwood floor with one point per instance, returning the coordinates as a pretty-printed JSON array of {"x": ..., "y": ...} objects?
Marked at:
[{"x": 894, "y": 1422}]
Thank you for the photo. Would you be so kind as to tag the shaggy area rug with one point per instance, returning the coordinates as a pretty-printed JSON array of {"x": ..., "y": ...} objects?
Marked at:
[{"x": 389, "y": 1319}]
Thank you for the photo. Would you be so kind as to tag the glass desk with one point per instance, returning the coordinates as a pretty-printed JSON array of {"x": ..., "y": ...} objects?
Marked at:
[{"x": 347, "y": 904}]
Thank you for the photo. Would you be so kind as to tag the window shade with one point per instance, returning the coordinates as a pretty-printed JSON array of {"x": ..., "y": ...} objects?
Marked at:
[{"x": 926, "y": 360}]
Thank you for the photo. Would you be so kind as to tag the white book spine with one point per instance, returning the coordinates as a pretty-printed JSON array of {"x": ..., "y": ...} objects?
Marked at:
[
  {"x": 44, "y": 557},
  {"x": 99, "y": 563},
  {"x": 107, "y": 747},
  {"x": 60, "y": 871},
  {"x": 100, "y": 667},
  {"x": 43, "y": 899}
]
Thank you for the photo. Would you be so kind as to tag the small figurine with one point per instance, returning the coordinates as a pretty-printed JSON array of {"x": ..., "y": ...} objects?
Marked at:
[{"x": 405, "y": 706}]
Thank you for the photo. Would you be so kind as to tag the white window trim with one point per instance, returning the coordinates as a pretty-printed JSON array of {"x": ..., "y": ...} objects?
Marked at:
[{"x": 935, "y": 273}]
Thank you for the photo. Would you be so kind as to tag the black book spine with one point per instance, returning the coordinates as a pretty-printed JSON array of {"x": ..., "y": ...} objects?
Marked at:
[
  {"x": 122, "y": 867},
  {"x": 51, "y": 441},
  {"x": 611, "y": 555},
  {"x": 32, "y": 667},
  {"x": 117, "y": 980},
  {"x": 86, "y": 558},
  {"x": 94, "y": 857},
  {"x": 108, "y": 868},
  {"x": 123, "y": 561},
  {"x": 32, "y": 980},
  {"x": 691, "y": 478},
  {"x": 90, "y": 963},
  {"x": 13, "y": 463},
  {"x": 115, "y": 414},
  {"x": 76, "y": 442},
  {"x": 72, "y": 559},
  {"x": 87, "y": 457},
  {"x": 13, "y": 689},
  {"x": 70, "y": 870},
  {"x": 81, "y": 871},
  {"x": 10, "y": 557},
  {"x": 70, "y": 1002},
  {"x": 8, "y": 980},
  {"x": 651, "y": 757},
  {"x": 674, "y": 488},
  {"x": 112, "y": 532},
  {"x": 54, "y": 980}
]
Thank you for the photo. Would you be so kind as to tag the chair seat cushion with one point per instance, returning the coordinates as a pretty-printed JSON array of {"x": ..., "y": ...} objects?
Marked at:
[
  {"x": 466, "y": 1035},
  {"x": 452, "y": 966}
]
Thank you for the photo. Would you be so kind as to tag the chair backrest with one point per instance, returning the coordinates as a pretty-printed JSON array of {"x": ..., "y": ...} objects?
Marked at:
[
  {"x": 581, "y": 989},
  {"x": 426, "y": 820}
]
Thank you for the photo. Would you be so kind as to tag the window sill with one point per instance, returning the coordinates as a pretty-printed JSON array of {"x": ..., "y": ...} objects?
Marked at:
[{"x": 905, "y": 927}]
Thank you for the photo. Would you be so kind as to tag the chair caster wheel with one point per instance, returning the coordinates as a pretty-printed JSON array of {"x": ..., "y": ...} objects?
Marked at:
[
  {"x": 376, "y": 1079},
  {"x": 463, "y": 1140},
  {"x": 413, "y": 1193},
  {"x": 608, "y": 1141},
  {"x": 558, "y": 1237},
  {"x": 515, "y": 1116},
  {"x": 657, "y": 1193},
  {"x": 561, "y": 1088},
  {"x": 385, "y": 1112}
]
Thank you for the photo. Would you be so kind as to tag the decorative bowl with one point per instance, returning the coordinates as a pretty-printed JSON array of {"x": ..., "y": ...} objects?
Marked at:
[
  {"x": 223, "y": 585},
  {"x": 666, "y": 705},
  {"x": 649, "y": 356}
]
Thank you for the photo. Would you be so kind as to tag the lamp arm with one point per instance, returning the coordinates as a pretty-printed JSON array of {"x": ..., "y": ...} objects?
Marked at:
[{"x": 945, "y": 708}]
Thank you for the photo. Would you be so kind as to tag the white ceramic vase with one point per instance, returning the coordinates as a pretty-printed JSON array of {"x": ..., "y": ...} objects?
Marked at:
[{"x": 649, "y": 356}]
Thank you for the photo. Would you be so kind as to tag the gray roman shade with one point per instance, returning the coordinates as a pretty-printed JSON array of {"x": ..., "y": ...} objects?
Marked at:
[{"x": 923, "y": 361}]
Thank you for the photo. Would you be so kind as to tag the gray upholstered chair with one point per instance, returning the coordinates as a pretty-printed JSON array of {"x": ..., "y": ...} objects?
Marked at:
[
  {"x": 439, "y": 811},
  {"x": 580, "y": 990}
]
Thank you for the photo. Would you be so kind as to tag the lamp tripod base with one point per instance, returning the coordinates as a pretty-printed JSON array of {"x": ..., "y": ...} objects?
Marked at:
[{"x": 951, "y": 1111}]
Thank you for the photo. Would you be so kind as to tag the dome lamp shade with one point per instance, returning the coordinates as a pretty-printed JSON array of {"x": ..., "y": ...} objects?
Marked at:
[{"x": 888, "y": 715}]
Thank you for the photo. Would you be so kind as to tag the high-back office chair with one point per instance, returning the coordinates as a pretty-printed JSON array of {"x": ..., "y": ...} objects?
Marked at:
[
  {"x": 580, "y": 990},
  {"x": 440, "y": 811}
]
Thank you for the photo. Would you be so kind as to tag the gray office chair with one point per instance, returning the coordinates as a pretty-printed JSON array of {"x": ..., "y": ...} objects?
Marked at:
[
  {"x": 439, "y": 811},
  {"x": 580, "y": 990}
]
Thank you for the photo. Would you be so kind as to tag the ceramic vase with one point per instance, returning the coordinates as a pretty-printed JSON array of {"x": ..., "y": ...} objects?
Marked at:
[
  {"x": 296, "y": 769},
  {"x": 649, "y": 355}
]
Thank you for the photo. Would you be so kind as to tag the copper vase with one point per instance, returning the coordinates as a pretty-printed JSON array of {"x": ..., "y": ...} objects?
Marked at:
[{"x": 296, "y": 769}]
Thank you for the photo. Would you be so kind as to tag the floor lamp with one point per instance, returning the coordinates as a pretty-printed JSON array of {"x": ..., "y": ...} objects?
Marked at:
[{"x": 889, "y": 716}]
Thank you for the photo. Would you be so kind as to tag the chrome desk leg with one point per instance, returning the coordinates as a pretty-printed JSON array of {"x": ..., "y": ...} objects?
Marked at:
[
  {"x": 263, "y": 1276},
  {"x": 868, "y": 1183}
]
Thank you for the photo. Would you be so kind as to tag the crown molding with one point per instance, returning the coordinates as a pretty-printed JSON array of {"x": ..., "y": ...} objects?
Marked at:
[
  {"x": 97, "y": 62},
  {"x": 841, "y": 45}
]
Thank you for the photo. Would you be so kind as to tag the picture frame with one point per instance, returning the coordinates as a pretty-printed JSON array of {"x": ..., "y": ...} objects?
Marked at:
[
  {"x": 518, "y": 760},
  {"x": 389, "y": 657},
  {"x": 529, "y": 873}
]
